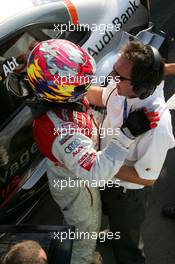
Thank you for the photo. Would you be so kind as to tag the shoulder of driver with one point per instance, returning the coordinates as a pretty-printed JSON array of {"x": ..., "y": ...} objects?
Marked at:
[{"x": 78, "y": 153}]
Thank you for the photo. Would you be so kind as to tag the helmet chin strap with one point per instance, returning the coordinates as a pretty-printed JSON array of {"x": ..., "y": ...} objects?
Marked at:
[{"x": 39, "y": 107}]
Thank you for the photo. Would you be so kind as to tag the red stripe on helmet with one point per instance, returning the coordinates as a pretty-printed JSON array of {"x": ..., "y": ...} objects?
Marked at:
[{"x": 72, "y": 11}]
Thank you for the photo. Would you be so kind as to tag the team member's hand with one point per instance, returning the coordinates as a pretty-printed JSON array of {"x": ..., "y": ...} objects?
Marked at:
[
  {"x": 139, "y": 122},
  {"x": 153, "y": 118}
]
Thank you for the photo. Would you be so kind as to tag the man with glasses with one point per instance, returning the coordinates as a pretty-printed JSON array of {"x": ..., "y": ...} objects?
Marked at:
[{"x": 140, "y": 70}]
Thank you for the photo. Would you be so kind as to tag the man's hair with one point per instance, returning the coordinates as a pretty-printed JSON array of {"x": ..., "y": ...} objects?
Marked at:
[
  {"x": 143, "y": 63},
  {"x": 24, "y": 252}
]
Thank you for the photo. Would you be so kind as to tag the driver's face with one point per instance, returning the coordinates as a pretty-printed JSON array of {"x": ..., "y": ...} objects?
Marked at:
[{"x": 122, "y": 70}]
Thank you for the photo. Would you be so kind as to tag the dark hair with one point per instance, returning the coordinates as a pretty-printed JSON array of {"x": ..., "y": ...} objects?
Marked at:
[
  {"x": 143, "y": 63},
  {"x": 24, "y": 252}
]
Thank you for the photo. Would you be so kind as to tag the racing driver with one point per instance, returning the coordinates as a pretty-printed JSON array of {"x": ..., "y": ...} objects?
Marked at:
[{"x": 65, "y": 131}]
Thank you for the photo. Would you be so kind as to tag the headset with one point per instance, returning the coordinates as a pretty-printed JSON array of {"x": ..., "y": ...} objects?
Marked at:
[{"x": 146, "y": 88}]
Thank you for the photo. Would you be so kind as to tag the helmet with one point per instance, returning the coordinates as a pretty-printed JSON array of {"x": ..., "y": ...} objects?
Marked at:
[{"x": 60, "y": 71}]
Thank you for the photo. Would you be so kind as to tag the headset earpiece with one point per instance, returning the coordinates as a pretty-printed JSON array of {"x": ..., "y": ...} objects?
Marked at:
[{"x": 146, "y": 88}]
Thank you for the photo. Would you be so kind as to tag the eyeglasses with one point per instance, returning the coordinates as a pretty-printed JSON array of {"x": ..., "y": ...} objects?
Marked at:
[{"x": 121, "y": 78}]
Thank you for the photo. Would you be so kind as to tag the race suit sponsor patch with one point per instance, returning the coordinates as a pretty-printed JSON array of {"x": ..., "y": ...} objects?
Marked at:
[
  {"x": 72, "y": 146},
  {"x": 77, "y": 151},
  {"x": 86, "y": 162},
  {"x": 65, "y": 139}
]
